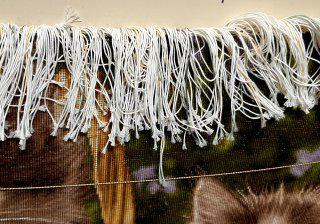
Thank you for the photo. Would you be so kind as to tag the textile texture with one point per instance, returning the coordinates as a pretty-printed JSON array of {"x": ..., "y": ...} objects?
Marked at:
[
  {"x": 215, "y": 126},
  {"x": 50, "y": 161}
]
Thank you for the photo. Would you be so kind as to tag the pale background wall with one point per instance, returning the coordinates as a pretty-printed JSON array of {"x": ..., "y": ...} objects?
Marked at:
[{"x": 172, "y": 13}]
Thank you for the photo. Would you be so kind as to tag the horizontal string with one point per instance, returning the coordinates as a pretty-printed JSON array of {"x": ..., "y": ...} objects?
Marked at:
[{"x": 157, "y": 179}]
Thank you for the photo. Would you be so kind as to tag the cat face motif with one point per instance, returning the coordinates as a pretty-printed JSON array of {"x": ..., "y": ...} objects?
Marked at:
[{"x": 213, "y": 203}]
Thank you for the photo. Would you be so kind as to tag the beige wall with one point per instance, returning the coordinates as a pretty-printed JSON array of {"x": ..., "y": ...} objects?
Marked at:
[{"x": 172, "y": 13}]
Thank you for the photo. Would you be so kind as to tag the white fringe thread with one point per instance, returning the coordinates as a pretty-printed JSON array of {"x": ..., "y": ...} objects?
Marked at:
[{"x": 157, "y": 78}]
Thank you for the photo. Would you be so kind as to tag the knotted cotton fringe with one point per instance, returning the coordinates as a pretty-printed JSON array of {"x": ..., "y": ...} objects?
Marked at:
[{"x": 158, "y": 79}]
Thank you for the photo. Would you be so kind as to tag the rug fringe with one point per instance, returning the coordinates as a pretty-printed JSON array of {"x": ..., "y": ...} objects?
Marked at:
[{"x": 158, "y": 79}]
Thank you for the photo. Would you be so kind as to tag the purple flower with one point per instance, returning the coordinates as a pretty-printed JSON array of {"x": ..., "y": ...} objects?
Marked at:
[
  {"x": 149, "y": 172},
  {"x": 168, "y": 187},
  {"x": 145, "y": 173},
  {"x": 305, "y": 157},
  {"x": 154, "y": 187}
]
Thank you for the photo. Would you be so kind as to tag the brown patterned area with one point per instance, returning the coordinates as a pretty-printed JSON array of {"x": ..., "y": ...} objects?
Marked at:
[
  {"x": 46, "y": 161},
  {"x": 49, "y": 160}
]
